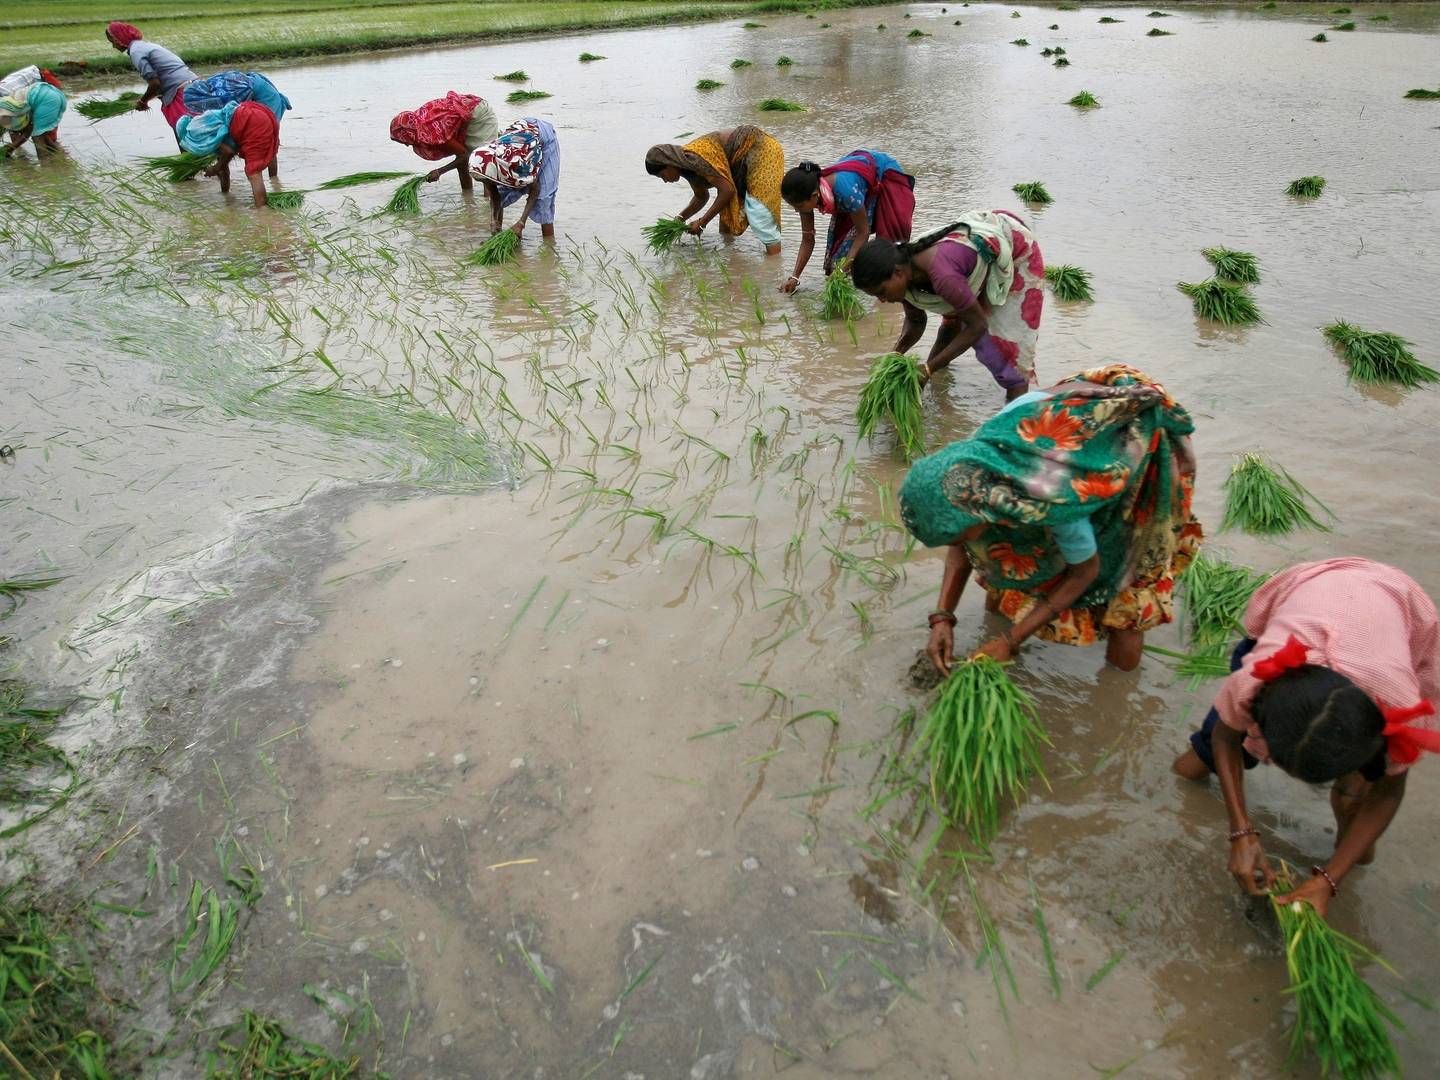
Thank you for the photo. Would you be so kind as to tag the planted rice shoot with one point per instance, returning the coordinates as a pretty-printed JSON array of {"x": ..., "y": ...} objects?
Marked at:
[
  {"x": 1307, "y": 187},
  {"x": 892, "y": 391},
  {"x": 1233, "y": 265},
  {"x": 1421, "y": 94},
  {"x": 1267, "y": 501},
  {"x": 1377, "y": 357},
  {"x": 1033, "y": 192},
  {"x": 1223, "y": 302},
  {"x": 515, "y": 97},
  {"x": 1215, "y": 592},
  {"x": 663, "y": 235},
  {"x": 1338, "y": 1016},
  {"x": 775, "y": 104},
  {"x": 981, "y": 741},
  {"x": 708, "y": 84},
  {"x": 1069, "y": 283},
  {"x": 356, "y": 179},
  {"x": 589, "y": 57},
  {"x": 513, "y": 76},
  {"x": 500, "y": 248},
  {"x": 406, "y": 198},
  {"x": 840, "y": 299},
  {"x": 179, "y": 167},
  {"x": 285, "y": 200},
  {"x": 105, "y": 108},
  {"x": 1084, "y": 100}
]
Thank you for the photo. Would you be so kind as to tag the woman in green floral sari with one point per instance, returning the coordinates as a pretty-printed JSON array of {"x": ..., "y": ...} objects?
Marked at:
[{"x": 1072, "y": 507}]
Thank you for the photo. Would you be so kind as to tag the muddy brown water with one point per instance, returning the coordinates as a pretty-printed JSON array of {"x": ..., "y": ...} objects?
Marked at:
[{"x": 561, "y": 796}]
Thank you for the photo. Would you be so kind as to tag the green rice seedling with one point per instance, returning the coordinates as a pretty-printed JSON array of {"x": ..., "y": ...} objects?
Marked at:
[
  {"x": 210, "y": 921},
  {"x": 513, "y": 76},
  {"x": 516, "y": 97},
  {"x": 1266, "y": 501},
  {"x": 980, "y": 742},
  {"x": 1320, "y": 37},
  {"x": 1344, "y": 27},
  {"x": 737, "y": 64},
  {"x": 892, "y": 390},
  {"x": 1377, "y": 357},
  {"x": 1422, "y": 94},
  {"x": 1048, "y": 950},
  {"x": 1106, "y": 19},
  {"x": 1022, "y": 42},
  {"x": 917, "y": 32},
  {"x": 254, "y": 1047},
  {"x": 752, "y": 26},
  {"x": 775, "y": 104},
  {"x": 1233, "y": 265},
  {"x": 840, "y": 299},
  {"x": 105, "y": 108},
  {"x": 1084, "y": 100},
  {"x": 1221, "y": 301},
  {"x": 356, "y": 179},
  {"x": 1061, "y": 61},
  {"x": 1069, "y": 283},
  {"x": 406, "y": 198},
  {"x": 13, "y": 590},
  {"x": 285, "y": 200},
  {"x": 1379, "y": 18},
  {"x": 1104, "y": 969},
  {"x": 1157, "y": 32},
  {"x": 784, "y": 61},
  {"x": 1307, "y": 187},
  {"x": 500, "y": 248},
  {"x": 589, "y": 58},
  {"x": 1033, "y": 192},
  {"x": 663, "y": 235},
  {"x": 708, "y": 84},
  {"x": 1338, "y": 1016},
  {"x": 179, "y": 167},
  {"x": 1215, "y": 592}
]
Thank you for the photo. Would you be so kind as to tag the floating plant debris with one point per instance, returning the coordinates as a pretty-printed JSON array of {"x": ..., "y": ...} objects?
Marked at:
[
  {"x": 840, "y": 299},
  {"x": 664, "y": 234},
  {"x": 1221, "y": 301},
  {"x": 500, "y": 248},
  {"x": 1215, "y": 593},
  {"x": 1106, "y": 19},
  {"x": 1233, "y": 265},
  {"x": 1033, "y": 192},
  {"x": 1069, "y": 282},
  {"x": 1061, "y": 61},
  {"x": 752, "y": 26},
  {"x": 775, "y": 104},
  {"x": 1083, "y": 100},
  {"x": 105, "y": 108},
  {"x": 1307, "y": 187},
  {"x": 892, "y": 390},
  {"x": 1378, "y": 357},
  {"x": 1157, "y": 15},
  {"x": 708, "y": 84},
  {"x": 1266, "y": 501}
]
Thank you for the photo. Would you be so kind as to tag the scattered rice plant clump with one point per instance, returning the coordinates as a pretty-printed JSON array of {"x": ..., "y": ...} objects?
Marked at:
[
  {"x": 1084, "y": 99},
  {"x": 663, "y": 235},
  {"x": 500, "y": 248},
  {"x": 179, "y": 167},
  {"x": 1158, "y": 15},
  {"x": 1320, "y": 37},
  {"x": 513, "y": 76},
  {"x": 1069, "y": 283},
  {"x": 840, "y": 299},
  {"x": 1033, "y": 192},
  {"x": 1106, "y": 19},
  {"x": 1233, "y": 265},
  {"x": 1338, "y": 1017},
  {"x": 981, "y": 741},
  {"x": 737, "y": 64},
  {"x": 775, "y": 104},
  {"x": 1376, "y": 357},
  {"x": 1344, "y": 26},
  {"x": 589, "y": 58},
  {"x": 356, "y": 179},
  {"x": 517, "y": 96},
  {"x": 892, "y": 391},
  {"x": 105, "y": 108},
  {"x": 1307, "y": 187},
  {"x": 1061, "y": 61},
  {"x": 285, "y": 200},
  {"x": 1022, "y": 42},
  {"x": 1221, "y": 301},
  {"x": 1379, "y": 18},
  {"x": 1422, "y": 94},
  {"x": 406, "y": 198},
  {"x": 1266, "y": 501},
  {"x": 917, "y": 32},
  {"x": 784, "y": 61},
  {"x": 752, "y": 26},
  {"x": 1157, "y": 32},
  {"x": 708, "y": 84}
]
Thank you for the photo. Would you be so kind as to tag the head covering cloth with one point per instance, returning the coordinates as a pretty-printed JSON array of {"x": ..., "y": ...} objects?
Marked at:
[
  {"x": 429, "y": 128},
  {"x": 204, "y": 133},
  {"x": 123, "y": 34}
]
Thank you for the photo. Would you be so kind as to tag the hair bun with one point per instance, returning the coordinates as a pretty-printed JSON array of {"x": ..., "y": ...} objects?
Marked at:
[{"x": 808, "y": 166}]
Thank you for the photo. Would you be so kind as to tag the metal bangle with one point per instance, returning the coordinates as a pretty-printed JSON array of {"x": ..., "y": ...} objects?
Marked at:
[
  {"x": 942, "y": 616},
  {"x": 1318, "y": 869},
  {"x": 1247, "y": 831}
]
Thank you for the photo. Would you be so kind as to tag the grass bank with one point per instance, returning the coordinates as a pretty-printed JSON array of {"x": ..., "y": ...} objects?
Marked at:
[{"x": 69, "y": 35}]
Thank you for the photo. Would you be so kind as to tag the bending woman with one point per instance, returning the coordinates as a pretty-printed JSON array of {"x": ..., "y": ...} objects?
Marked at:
[
  {"x": 984, "y": 276},
  {"x": 1334, "y": 683},
  {"x": 453, "y": 126},
  {"x": 742, "y": 165},
  {"x": 247, "y": 129},
  {"x": 33, "y": 112},
  {"x": 863, "y": 192},
  {"x": 208, "y": 95},
  {"x": 524, "y": 160},
  {"x": 1072, "y": 507},
  {"x": 165, "y": 74}
]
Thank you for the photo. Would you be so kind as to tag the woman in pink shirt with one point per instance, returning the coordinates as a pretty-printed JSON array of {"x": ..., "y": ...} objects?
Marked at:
[{"x": 1334, "y": 683}]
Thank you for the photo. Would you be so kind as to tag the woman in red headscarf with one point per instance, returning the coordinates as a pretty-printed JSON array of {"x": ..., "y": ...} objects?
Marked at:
[
  {"x": 453, "y": 126},
  {"x": 1334, "y": 684},
  {"x": 165, "y": 74}
]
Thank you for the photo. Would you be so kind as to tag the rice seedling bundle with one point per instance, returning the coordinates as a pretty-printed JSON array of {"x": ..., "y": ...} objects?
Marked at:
[
  {"x": 406, "y": 198},
  {"x": 892, "y": 391},
  {"x": 1422, "y": 94},
  {"x": 104, "y": 109},
  {"x": 775, "y": 104},
  {"x": 356, "y": 179},
  {"x": 981, "y": 741},
  {"x": 1084, "y": 100},
  {"x": 1105, "y": 19},
  {"x": 179, "y": 167},
  {"x": 840, "y": 299},
  {"x": 663, "y": 235},
  {"x": 1266, "y": 501},
  {"x": 1214, "y": 593},
  {"x": 1338, "y": 1015},
  {"x": 752, "y": 26},
  {"x": 784, "y": 61},
  {"x": 515, "y": 97},
  {"x": 1377, "y": 357},
  {"x": 589, "y": 58},
  {"x": 285, "y": 200},
  {"x": 1307, "y": 187},
  {"x": 1221, "y": 301},
  {"x": 1067, "y": 7},
  {"x": 1047, "y": 51},
  {"x": 1059, "y": 50},
  {"x": 880, "y": 26},
  {"x": 1033, "y": 192},
  {"x": 1157, "y": 32},
  {"x": 1069, "y": 282},
  {"x": 500, "y": 248},
  {"x": 1320, "y": 38},
  {"x": 737, "y": 63},
  {"x": 708, "y": 84},
  {"x": 1022, "y": 42},
  {"x": 917, "y": 32},
  {"x": 1340, "y": 11},
  {"x": 1054, "y": 26},
  {"x": 1345, "y": 26},
  {"x": 1157, "y": 15},
  {"x": 1233, "y": 265},
  {"x": 1060, "y": 61},
  {"x": 513, "y": 76},
  {"x": 1014, "y": 15}
]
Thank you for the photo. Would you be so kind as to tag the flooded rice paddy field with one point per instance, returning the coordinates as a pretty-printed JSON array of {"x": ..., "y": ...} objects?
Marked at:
[{"x": 537, "y": 637}]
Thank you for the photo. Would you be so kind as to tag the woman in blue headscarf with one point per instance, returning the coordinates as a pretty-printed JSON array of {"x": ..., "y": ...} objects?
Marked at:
[
  {"x": 247, "y": 129},
  {"x": 209, "y": 95},
  {"x": 33, "y": 112}
]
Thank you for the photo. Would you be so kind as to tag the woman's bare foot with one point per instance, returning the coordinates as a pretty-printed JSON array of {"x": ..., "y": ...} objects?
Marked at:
[
  {"x": 1123, "y": 648},
  {"x": 1190, "y": 766},
  {"x": 1346, "y": 795}
]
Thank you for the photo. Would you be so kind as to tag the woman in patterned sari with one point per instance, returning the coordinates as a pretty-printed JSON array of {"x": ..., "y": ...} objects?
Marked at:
[
  {"x": 1072, "y": 508},
  {"x": 523, "y": 161},
  {"x": 742, "y": 165}
]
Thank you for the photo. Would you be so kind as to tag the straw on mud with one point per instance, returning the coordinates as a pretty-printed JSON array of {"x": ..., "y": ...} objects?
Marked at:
[
  {"x": 1421, "y": 94},
  {"x": 840, "y": 299},
  {"x": 179, "y": 167},
  {"x": 285, "y": 200},
  {"x": 513, "y": 76},
  {"x": 1214, "y": 594},
  {"x": 1338, "y": 1016},
  {"x": 708, "y": 84},
  {"x": 515, "y": 97},
  {"x": 500, "y": 248},
  {"x": 105, "y": 108},
  {"x": 1033, "y": 192},
  {"x": 1307, "y": 187},
  {"x": 775, "y": 104},
  {"x": 406, "y": 197},
  {"x": 981, "y": 742},
  {"x": 1221, "y": 301},
  {"x": 356, "y": 179},
  {"x": 663, "y": 235},
  {"x": 589, "y": 58},
  {"x": 1084, "y": 99},
  {"x": 892, "y": 391},
  {"x": 1265, "y": 501},
  {"x": 1069, "y": 282},
  {"x": 1233, "y": 265},
  {"x": 1378, "y": 357}
]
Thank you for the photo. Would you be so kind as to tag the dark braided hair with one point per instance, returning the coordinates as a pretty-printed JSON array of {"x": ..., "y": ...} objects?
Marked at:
[
  {"x": 1320, "y": 726},
  {"x": 800, "y": 183},
  {"x": 879, "y": 258}
]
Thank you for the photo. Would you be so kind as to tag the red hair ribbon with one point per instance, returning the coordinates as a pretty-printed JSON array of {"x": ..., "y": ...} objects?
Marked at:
[
  {"x": 1289, "y": 656},
  {"x": 1404, "y": 743}
]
